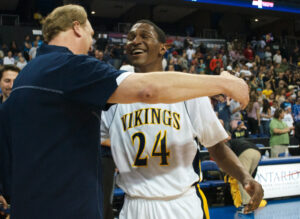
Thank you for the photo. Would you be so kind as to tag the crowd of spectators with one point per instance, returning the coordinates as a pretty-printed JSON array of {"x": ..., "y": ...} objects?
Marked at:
[{"x": 272, "y": 74}]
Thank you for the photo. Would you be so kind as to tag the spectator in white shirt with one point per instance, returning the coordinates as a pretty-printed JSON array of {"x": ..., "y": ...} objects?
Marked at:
[
  {"x": 9, "y": 59},
  {"x": 21, "y": 63},
  {"x": 277, "y": 58},
  {"x": 190, "y": 52},
  {"x": 268, "y": 54},
  {"x": 288, "y": 118},
  {"x": 32, "y": 51}
]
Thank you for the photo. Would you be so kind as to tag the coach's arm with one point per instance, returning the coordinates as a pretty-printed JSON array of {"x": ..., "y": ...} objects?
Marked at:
[
  {"x": 229, "y": 162},
  {"x": 170, "y": 87}
]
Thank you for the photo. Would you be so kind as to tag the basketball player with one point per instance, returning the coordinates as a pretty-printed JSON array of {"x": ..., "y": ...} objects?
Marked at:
[{"x": 153, "y": 144}]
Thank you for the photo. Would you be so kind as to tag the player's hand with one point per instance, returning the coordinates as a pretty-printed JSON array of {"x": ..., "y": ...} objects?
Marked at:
[
  {"x": 256, "y": 192},
  {"x": 236, "y": 88},
  {"x": 4, "y": 203}
]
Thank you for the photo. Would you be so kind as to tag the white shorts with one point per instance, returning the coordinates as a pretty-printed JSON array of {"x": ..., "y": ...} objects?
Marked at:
[{"x": 187, "y": 206}]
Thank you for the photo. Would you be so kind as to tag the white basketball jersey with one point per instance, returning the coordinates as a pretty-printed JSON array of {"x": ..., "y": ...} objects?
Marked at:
[{"x": 153, "y": 145}]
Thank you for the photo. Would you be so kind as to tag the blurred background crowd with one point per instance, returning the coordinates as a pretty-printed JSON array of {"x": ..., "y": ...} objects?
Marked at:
[{"x": 271, "y": 72}]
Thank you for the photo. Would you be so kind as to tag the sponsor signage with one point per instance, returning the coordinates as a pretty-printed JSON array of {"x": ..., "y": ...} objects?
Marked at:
[{"x": 281, "y": 180}]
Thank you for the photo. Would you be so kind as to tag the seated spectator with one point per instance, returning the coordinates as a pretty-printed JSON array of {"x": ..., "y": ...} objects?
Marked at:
[
  {"x": 248, "y": 53},
  {"x": 245, "y": 71},
  {"x": 277, "y": 58},
  {"x": 201, "y": 67},
  {"x": 281, "y": 96},
  {"x": 223, "y": 111},
  {"x": 32, "y": 51},
  {"x": 268, "y": 54},
  {"x": 21, "y": 63},
  {"x": 39, "y": 40},
  {"x": 190, "y": 52},
  {"x": 296, "y": 111},
  {"x": 192, "y": 70},
  {"x": 216, "y": 62},
  {"x": 182, "y": 61},
  {"x": 26, "y": 47},
  {"x": 7, "y": 76},
  {"x": 268, "y": 90},
  {"x": 236, "y": 116},
  {"x": 279, "y": 131},
  {"x": 284, "y": 66},
  {"x": 253, "y": 83},
  {"x": 217, "y": 70},
  {"x": 9, "y": 59},
  {"x": 240, "y": 131}
]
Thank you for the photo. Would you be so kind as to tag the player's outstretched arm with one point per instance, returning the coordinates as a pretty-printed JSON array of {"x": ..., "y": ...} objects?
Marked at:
[
  {"x": 170, "y": 87},
  {"x": 229, "y": 162}
]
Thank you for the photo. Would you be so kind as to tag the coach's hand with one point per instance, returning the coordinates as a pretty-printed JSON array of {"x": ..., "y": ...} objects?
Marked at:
[
  {"x": 256, "y": 192},
  {"x": 236, "y": 88}
]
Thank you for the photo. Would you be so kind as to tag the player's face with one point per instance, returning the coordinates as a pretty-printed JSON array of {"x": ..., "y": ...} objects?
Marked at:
[
  {"x": 143, "y": 47},
  {"x": 6, "y": 82}
]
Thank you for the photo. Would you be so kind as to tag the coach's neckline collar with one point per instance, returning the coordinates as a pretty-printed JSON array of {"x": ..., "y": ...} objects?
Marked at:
[{"x": 45, "y": 48}]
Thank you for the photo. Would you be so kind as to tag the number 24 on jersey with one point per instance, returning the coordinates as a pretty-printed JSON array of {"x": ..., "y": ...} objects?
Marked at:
[{"x": 159, "y": 149}]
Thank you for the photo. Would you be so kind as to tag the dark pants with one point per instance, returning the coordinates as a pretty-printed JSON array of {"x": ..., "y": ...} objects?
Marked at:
[
  {"x": 108, "y": 170},
  {"x": 253, "y": 126},
  {"x": 264, "y": 127}
]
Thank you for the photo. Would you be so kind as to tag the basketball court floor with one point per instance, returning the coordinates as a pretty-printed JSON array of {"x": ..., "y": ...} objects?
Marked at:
[{"x": 275, "y": 209}]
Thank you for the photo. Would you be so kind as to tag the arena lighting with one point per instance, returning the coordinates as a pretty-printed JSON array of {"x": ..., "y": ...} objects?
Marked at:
[
  {"x": 240, "y": 3},
  {"x": 256, "y": 20},
  {"x": 93, "y": 12}
]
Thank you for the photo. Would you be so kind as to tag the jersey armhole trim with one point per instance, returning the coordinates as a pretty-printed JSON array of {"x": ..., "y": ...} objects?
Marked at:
[{"x": 113, "y": 117}]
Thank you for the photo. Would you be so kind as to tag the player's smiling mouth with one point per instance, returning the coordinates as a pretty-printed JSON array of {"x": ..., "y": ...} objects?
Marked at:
[{"x": 137, "y": 52}]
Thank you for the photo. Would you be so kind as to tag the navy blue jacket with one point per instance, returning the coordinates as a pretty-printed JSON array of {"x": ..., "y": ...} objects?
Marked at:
[{"x": 52, "y": 120}]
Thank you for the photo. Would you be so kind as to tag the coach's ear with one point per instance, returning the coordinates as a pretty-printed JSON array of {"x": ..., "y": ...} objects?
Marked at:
[
  {"x": 77, "y": 28},
  {"x": 163, "y": 49}
]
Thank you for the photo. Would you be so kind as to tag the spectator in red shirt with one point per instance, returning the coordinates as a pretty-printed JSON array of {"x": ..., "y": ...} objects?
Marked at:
[
  {"x": 214, "y": 61},
  {"x": 248, "y": 53}
]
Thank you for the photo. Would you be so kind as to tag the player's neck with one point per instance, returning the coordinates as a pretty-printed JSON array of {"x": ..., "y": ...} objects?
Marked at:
[{"x": 149, "y": 68}]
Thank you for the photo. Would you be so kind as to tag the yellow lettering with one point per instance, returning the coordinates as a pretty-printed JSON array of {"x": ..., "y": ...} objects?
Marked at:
[
  {"x": 138, "y": 120},
  {"x": 165, "y": 117},
  {"x": 124, "y": 122},
  {"x": 155, "y": 115},
  {"x": 176, "y": 120}
]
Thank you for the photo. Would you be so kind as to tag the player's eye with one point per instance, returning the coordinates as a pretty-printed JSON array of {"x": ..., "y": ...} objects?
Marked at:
[{"x": 130, "y": 37}]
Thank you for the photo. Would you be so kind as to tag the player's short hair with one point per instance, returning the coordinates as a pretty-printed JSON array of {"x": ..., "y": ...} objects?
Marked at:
[
  {"x": 8, "y": 68},
  {"x": 160, "y": 33},
  {"x": 61, "y": 19}
]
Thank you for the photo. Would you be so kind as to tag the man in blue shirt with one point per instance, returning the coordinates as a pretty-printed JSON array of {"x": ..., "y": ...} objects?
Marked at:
[{"x": 50, "y": 124}]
